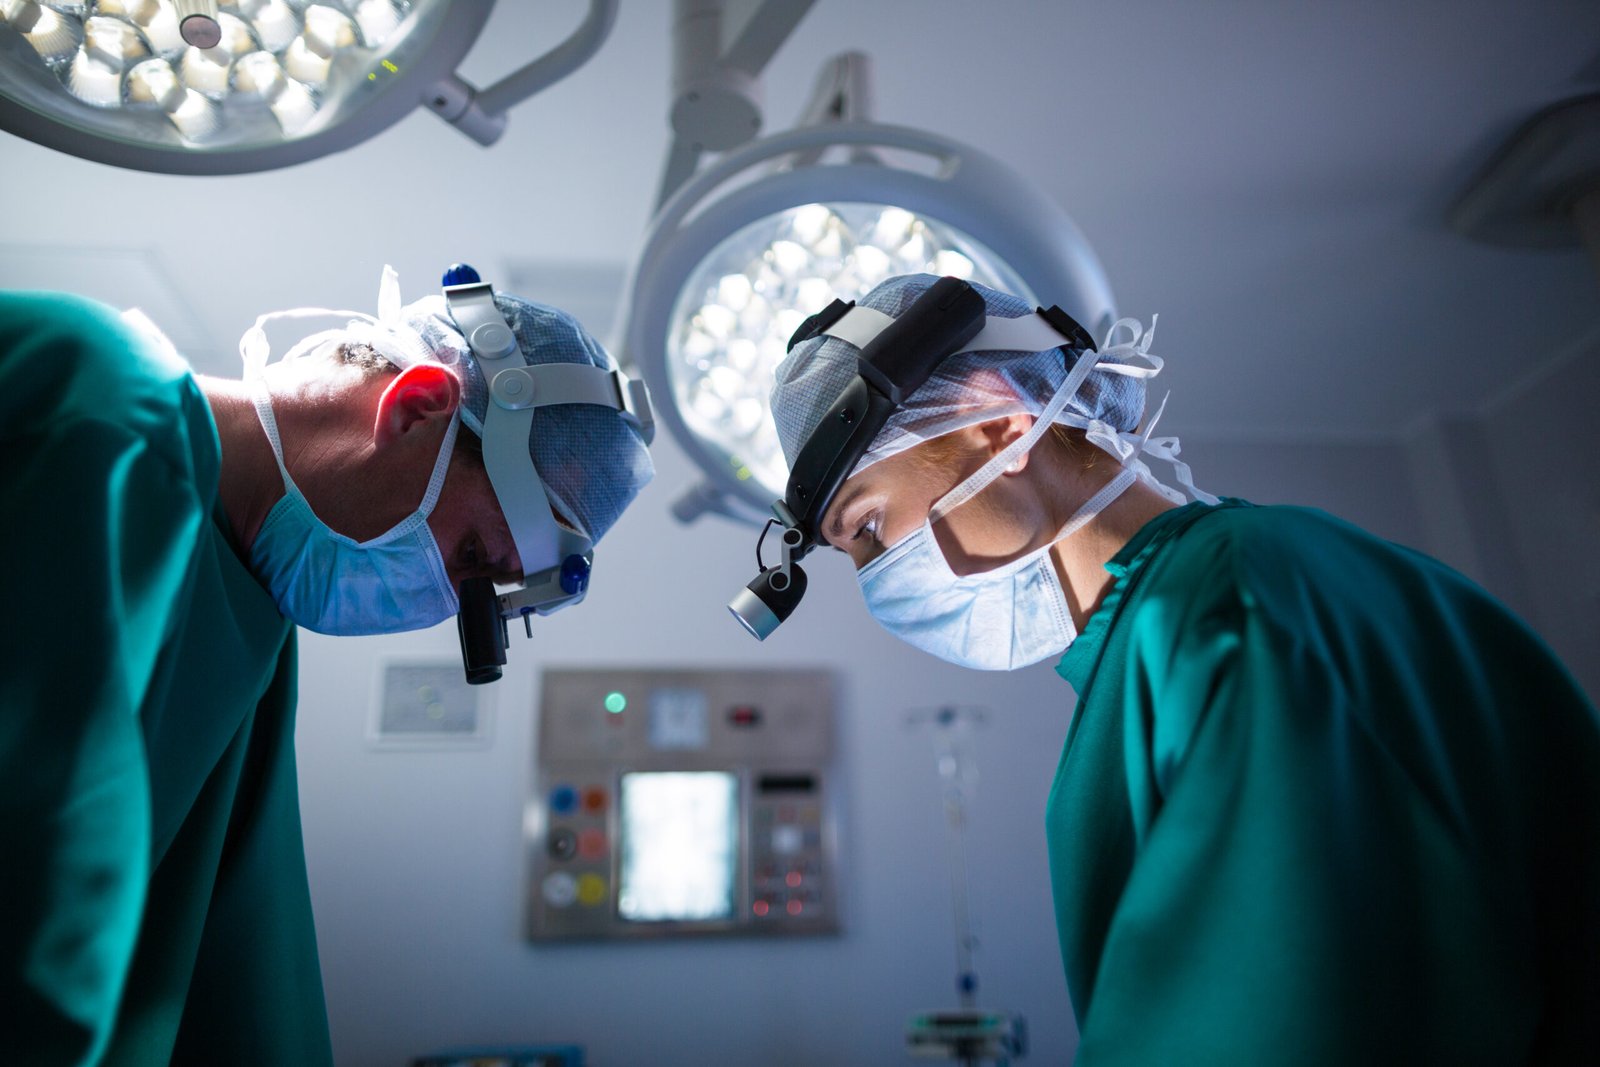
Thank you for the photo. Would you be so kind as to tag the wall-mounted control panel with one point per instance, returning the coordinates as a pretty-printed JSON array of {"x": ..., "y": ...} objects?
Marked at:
[{"x": 682, "y": 802}]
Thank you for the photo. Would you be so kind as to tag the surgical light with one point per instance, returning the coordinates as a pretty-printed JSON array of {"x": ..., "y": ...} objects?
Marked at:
[
  {"x": 773, "y": 232},
  {"x": 199, "y": 87}
]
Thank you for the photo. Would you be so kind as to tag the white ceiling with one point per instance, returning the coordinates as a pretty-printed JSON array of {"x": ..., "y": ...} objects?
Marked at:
[{"x": 1270, "y": 177}]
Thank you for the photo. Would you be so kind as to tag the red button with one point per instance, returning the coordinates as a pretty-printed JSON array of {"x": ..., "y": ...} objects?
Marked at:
[
  {"x": 795, "y": 907},
  {"x": 594, "y": 799},
  {"x": 592, "y": 844},
  {"x": 793, "y": 879},
  {"x": 759, "y": 907}
]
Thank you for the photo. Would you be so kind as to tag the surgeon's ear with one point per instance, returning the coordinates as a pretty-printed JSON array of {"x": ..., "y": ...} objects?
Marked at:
[
  {"x": 998, "y": 433},
  {"x": 418, "y": 398}
]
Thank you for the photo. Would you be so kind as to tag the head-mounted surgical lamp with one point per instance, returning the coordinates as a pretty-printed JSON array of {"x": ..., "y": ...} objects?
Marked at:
[
  {"x": 897, "y": 354},
  {"x": 556, "y": 560}
]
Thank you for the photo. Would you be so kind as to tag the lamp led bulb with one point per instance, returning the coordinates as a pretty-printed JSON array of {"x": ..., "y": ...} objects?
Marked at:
[
  {"x": 286, "y": 56},
  {"x": 274, "y": 21}
]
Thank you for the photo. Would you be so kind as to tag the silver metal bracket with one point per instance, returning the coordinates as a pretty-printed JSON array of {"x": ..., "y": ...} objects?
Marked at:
[{"x": 481, "y": 114}]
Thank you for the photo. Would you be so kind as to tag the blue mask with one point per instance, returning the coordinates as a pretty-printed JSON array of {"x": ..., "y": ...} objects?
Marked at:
[
  {"x": 999, "y": 620},
  {"x": 333, "y": 584}
]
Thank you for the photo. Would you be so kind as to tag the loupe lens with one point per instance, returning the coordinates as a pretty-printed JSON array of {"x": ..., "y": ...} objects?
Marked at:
[{"x": 482, "y": 631}]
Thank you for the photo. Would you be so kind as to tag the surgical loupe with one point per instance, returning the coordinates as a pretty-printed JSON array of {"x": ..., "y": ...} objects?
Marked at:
[
  {"x": 896, "y": 356},
  {"x": 556, "y": 560}
]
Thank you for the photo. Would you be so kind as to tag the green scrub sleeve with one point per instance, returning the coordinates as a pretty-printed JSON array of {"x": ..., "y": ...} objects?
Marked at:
[
  {"x": 97, "y": 531},
  {"x": 1249, "y": 930}
]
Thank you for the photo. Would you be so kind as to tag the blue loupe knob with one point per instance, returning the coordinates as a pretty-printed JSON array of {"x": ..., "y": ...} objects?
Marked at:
[
  {"x": 461, "y": 274},
  {"x": 574, "y": 575}
]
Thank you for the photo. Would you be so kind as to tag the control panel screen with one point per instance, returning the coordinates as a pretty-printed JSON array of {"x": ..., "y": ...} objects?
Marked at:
[
  {"x": 678, "y": 719},
  {"x": 679, "y": 844}
]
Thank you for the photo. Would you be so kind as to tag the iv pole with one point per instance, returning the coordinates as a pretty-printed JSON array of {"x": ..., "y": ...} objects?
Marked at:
[{"x": 972, "y": 1035}]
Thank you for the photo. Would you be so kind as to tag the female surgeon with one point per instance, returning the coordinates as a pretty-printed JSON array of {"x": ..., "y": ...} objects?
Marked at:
[{"x": 1323, "y": 800}]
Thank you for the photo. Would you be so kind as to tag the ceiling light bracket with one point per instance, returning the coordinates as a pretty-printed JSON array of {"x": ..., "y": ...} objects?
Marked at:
[
  {"x": 481, "y": 113},
  {"x": 1542, "y": 188},
  {"x": 717, "y": 60}
]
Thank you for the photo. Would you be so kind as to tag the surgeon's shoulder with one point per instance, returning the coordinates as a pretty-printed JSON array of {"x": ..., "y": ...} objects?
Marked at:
[
  {"x": 1277, "y": 562},
  {"x": 66, "y": 360}
]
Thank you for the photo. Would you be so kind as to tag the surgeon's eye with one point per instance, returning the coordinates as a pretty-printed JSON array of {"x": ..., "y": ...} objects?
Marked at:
[{"x": 869, "y": 528}]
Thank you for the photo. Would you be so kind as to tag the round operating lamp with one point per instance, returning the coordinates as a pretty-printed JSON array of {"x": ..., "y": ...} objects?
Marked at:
[
  {"x": 747, "y": 249},
  {"x": 200, "y": 87}
]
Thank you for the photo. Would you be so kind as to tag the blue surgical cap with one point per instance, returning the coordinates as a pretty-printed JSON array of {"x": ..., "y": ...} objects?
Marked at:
[
  {"x": 966, "y": 389},
  {"x": 592, "y": 462}
]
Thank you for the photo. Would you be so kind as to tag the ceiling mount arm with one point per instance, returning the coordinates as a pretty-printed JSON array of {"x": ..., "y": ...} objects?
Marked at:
[
  {"x": 481, "y": 113},
  {"x": 716, "y": 87},
  {"x": 843, "y": 93},
  {"x": 1542, "y": 188}
]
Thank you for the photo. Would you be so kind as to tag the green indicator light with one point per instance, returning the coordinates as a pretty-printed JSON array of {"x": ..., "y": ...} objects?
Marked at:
[{"x": 616, "y": 703}]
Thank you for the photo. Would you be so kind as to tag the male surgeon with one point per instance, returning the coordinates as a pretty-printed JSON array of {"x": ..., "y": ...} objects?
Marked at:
[{"x": 164, "y": 533}]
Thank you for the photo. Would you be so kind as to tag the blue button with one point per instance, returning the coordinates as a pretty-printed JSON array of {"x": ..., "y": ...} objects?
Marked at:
[
  {"x": 461, "y": 274},
  {"x": 563, "y": 799},
  {"x": 574, "y": 575}
]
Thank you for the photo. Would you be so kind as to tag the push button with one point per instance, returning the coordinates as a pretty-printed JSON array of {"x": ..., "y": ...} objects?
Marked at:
[
  {"x": 560, "y": 889},
  {"x": 592, "y": 844},
  {"x": 562, "y": 845},
  {"x": 563, "y": 799},
  {"x": 591, "y": 890},
  {"x": 594, "y": 799},
  {"x": 787, "y": 839}
]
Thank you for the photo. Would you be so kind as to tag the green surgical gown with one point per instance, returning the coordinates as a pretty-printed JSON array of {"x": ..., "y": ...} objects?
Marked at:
[
  {"x": 153, "y": 897},
  {"x": 1323, "y": 801}
]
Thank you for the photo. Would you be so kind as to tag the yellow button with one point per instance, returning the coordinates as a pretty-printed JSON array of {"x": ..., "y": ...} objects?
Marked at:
[{"x": 591, "y": 890}]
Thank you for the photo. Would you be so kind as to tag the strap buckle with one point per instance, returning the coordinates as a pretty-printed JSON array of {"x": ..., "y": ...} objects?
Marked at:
[
  {"x": 633, "y": 403},
  {"x": 1068, "y": 327},
  {"x": 819, "y": 322}
]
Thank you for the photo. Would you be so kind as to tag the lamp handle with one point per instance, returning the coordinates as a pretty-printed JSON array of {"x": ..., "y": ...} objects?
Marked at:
[{"x": 481, "y": 114}]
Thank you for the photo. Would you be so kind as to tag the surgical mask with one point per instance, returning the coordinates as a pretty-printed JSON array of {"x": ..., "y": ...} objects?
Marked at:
[
  {"x": 333, "y": 584},
  {"x": 999, "y": 620}
]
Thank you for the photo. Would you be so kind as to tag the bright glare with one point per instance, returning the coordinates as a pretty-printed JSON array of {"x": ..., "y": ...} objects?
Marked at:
[
  {"x": 735, "y": 316},
  {"x": 679, "y": 843},
  {"x": 278, "y": 66}
]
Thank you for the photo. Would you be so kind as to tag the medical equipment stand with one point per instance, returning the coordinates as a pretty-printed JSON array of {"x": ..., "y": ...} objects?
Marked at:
[{"x": 969, "y": 1034}]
